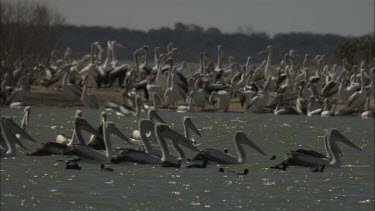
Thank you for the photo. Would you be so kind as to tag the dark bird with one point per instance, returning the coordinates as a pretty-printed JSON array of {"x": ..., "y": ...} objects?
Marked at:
[
  {"x": 273, "y": 157},
  {"x": 317, "y": 168},
  {"x": 221, "y": 170},
  {"x": 245, "y": 172},
  {"x": 170, "y": 164},
  {"x": 203, "y": 165},
  {"x": 71, "y": 164},
  {"x": 104, "y": 168}
]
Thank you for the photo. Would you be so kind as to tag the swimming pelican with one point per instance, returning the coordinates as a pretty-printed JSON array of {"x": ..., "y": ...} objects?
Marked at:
[
  {"x": 309, "y": 158},
  {"x": 87, "y": 99},
  {"x": 62, "y": 139},
  {"x": 163, "y": 131},
  {"x": 151, "y": 115},
  {"x": 9, "y": 128},
  {"x": 217, "y": 156},
  {"x": 146, "y": 156},
  {"x": 88, "y": 153},
  {"x": 188, "y": 125},
  {"x": 54, "y": 148}
]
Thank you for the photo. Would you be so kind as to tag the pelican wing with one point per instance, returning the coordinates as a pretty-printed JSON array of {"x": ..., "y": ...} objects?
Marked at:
[{"x": 310, "y": 152}]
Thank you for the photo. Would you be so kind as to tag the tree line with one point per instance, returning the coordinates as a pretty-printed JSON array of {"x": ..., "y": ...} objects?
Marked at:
[{"x": 192, "y": 39}]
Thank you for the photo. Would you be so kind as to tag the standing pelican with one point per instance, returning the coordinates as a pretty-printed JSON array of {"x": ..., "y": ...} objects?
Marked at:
[
  {"x": 357, "y": 99},
  {"x": 72, "y": 91},
  {"x": 258, "y": 102},
  {"x": 224, "y": 99},
  {"x": 225, "y": 158},
  {"x": 87, "y": 99}
]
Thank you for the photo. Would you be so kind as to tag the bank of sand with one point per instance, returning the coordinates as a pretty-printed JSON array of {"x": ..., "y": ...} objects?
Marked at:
[{"x": 40, "y": 96}]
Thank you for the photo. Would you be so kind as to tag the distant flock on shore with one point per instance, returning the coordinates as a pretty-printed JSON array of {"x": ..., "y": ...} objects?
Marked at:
[{"x": 299, "y": 84}]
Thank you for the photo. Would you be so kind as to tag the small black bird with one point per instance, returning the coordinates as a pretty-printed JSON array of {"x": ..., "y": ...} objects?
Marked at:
[
  {"x": 273, "y": 157},
  {"x": 104, "y": 168},
  {"x": 170, "y": 164},
  {"x": 221, "y": 170},
  {"x": 317, "y": 168},
  {"x": 225, "y": 150},
  {"x": 71, "y": 164},
  {"x": 203, "y": 165},
  {"x": 245, "y": 172}
]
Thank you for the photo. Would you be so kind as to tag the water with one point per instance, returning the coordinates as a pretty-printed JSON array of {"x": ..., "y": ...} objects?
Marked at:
[{"x": 43, "y": 183}]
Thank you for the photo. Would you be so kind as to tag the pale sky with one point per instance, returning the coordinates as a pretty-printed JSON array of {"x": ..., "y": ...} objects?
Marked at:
[{"x": 343, "y": 17}]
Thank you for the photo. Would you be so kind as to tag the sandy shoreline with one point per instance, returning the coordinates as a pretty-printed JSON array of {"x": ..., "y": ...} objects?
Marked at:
[{"x": 40, "y": 96}]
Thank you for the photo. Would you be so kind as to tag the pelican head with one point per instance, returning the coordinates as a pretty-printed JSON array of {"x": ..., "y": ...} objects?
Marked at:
[
  {"x": 111, "y": 128},
  {"x": 242, "y": 138},
  {"x": 336, "y": 135},
  {"x": 103, "y": 116},
  {"x": 78, "y": 113},
  {"x": 8, "y": 125},
  {"x": 163, "y": 130},
  {"x": 189, "y": 124},
  {"x": 268, "y": 49},
  {"x": 153, "y": 115}
]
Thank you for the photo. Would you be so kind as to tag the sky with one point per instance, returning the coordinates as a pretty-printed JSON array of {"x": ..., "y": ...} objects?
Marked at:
[{"x": 343, "y": 17}]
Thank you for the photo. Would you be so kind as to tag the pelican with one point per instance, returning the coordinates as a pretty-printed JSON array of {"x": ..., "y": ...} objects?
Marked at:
[
  {"x": 368, "y": 112},
  {"x": 9, "y": 128},
  {"x": 313, "y": 106},
  {"x": 258, "y": 102},
  {"x": 72, "y": 91},
  {"x": 283, "y": 111},
  {"x": 357, "y": 99},
  {"x": 217, "y": 156},
  {"x": 88, "y": 153},
  {"x": 268, "y": 72},
  {"x": 188, "y": 125},
  {"x": 54, "y": 148},
  {"x": 153, "y": 116},
  {"x": 224, "y": 99},
  {"x": 88, "y": 100},
  {"x": 327, "y": 112},
  {"x": 163, "y": 131},
  {"x": 97, "y": 142},
  {"x": 309, "y": 158},
  {"x": 62, "y": 139},
  {"x": 146, "y": 156}
]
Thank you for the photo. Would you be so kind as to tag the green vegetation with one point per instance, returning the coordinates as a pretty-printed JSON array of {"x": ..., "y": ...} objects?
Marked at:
[{"x": 357, "y": 49}]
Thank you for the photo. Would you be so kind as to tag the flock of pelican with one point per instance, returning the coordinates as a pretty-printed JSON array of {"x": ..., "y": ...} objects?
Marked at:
[
  {"x": 156, "y": 143},
  {"x": 304, "y": 85}
]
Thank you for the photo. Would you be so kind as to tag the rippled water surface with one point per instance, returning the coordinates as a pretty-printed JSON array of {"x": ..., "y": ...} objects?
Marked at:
[{"x": 43, "y": 183}]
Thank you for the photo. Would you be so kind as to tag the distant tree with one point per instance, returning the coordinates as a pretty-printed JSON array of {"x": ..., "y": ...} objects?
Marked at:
[
  {"x": 28, "y": 33},
  {"x": 213, "y": 31},
  {"x": 357, "y": 49}
]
